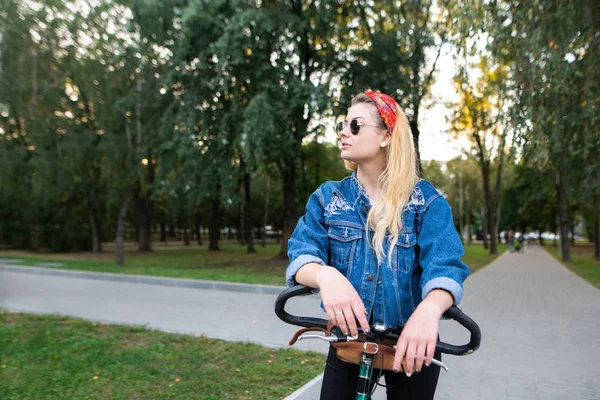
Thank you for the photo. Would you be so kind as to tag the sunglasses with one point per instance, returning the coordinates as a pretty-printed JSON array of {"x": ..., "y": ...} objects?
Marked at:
[{"x": 355, "y": 125}]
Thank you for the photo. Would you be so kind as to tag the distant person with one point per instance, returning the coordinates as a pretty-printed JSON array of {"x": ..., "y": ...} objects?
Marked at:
[
  {"x": 519, "y": 244},
  {"x": 511, "y": 240},
  {"x": 407, "y": 273}
]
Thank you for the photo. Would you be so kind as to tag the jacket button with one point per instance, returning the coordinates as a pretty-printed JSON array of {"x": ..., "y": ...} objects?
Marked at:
[
  {"x": 370, "y": 277},
  {"x": 366, "y": 208}
]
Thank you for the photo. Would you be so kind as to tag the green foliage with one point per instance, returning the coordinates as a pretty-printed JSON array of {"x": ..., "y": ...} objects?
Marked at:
[
  {"x": 177, "y": 101},
  {"x": 551, "y": 49},
  {"x": 460, "y": 181},
  {"x": 529, "y": 201}
]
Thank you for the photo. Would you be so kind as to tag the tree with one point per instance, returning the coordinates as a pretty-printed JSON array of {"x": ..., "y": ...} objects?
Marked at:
[
  {"x": 551, "y": 49},
  {"x": 478, "y": 116},
  {"x": 394, "y": 47}
]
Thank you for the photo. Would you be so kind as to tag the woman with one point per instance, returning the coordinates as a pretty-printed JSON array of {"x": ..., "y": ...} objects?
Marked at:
[{"x": 405, "y": 271}]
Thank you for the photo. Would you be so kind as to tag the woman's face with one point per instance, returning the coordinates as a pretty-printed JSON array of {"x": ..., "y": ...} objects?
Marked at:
[{"x": 366, "y": 145}]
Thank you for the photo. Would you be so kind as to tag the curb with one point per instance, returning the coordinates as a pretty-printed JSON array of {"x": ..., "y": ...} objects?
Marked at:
[
  {"x": 298, "y": 393},
  {"x": 149, "y": 280}
]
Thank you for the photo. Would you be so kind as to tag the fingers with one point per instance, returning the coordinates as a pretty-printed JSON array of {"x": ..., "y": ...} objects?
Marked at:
[
  {"x": 411, "y": 350},
  {"x": 331, "y": 315},
  {"x": 420, "y": 356},
  {"x": 361, "y": 315},
  {"x": 416, "y": 355},
  {"x": 430, "y": 352},
  {"x": 345, "y": 315},
  {"x": 350, "y": 321},
  {"x": 341, "y": 321},
  {"x": 400, "y": 351}
]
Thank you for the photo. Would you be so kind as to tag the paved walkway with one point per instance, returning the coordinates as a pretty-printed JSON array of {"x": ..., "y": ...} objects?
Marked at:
[{"x": 540, "y": 323}]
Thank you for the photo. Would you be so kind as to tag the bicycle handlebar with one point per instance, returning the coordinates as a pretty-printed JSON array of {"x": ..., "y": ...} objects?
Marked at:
[{"x": 453, "y": 312}]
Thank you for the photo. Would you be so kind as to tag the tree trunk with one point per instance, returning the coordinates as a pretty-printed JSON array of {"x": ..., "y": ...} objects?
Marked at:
[
  {"x": 468, "y": 207},
  {"x": 143, "y": 203},
  {"x": 120, "y": 239},
  {"x": 563, "y": 219},
  {"x": 248, "y": 213},
  {"x": 414, "y": 128},
  {"x": 144, "y": 215},
  {"x": 288, "y": 178},
  {"x": 485, "y": 228},
  {"x": 496, "y": 199},
  {"x": 95, "y": 225},
  {"x": 184, "y": 223},
  {"x": 460, "y": 207},
  {"x": 34, "y": 81},
  {"x": 215, "y": 221},
  {"x": 267, "y": 193},
  {"x": 489, "y": 208},
  {"x": 241, "y": 234},
  {"x": 597, "y": 238},
  {"x": 163, "y": 232}
]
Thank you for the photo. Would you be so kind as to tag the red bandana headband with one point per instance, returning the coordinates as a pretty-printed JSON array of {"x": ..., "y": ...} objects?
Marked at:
[{"x": 386, "y": 107}]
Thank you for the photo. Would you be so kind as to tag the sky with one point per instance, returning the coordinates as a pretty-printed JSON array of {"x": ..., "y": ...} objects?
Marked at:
[{"x": 435, "y": 143}]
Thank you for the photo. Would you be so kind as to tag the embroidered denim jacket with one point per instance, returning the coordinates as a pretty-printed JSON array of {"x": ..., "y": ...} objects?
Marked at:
[{"x": 426, "y": 257}]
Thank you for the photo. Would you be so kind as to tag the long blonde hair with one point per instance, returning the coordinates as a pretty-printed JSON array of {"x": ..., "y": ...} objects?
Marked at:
[{"x": 396, "y": 183}]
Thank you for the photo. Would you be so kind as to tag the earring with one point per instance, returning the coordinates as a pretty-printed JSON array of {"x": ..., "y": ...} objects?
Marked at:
[{"x": 382, "y": 144}]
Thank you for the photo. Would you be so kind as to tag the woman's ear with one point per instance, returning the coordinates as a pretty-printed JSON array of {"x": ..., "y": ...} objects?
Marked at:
[{"x": 386, "y": 140}]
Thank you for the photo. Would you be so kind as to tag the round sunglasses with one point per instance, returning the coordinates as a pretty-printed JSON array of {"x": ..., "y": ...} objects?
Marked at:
[{"x": 355, "y": 125}]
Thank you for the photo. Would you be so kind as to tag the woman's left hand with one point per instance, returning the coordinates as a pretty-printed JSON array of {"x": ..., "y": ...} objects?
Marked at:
[{"x": 419, "y": 336}]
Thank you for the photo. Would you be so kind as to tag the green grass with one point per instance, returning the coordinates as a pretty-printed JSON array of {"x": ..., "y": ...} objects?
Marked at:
[
  {"x": 54, "y": 357},
  {"x": 583, "y": 263},
  {"x": 476, "y": 257},
  {"x": 231, "y": 264}
]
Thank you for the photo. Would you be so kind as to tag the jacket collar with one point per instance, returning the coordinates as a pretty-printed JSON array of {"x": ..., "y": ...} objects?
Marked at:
[{"x": 359, "y": 188}]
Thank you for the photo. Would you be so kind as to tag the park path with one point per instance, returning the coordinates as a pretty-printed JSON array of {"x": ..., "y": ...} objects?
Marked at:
[{"x": 540, "y": 323}]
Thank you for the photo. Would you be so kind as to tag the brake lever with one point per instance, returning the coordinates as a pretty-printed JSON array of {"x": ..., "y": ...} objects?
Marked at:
[{"x": 333, "y": 338}]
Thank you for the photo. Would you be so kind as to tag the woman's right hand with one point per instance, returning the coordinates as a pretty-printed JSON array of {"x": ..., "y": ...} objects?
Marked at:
[{"x": 341, "y": 301}]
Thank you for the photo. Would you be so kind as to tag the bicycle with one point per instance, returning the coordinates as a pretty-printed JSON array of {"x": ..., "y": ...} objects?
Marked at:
[{"x": 379, "y": 343}]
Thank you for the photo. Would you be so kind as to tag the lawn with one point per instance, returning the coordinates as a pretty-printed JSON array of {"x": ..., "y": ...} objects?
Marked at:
[
  {"x": 55, "y": 357},
  {"x": 231, "y": 264},
  {"x": 60, "y": 357},
  {"x": 583, "y": 263}
]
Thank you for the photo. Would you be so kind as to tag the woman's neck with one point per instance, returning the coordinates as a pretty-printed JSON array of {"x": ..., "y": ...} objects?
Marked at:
[{"x": 368, "y": 176}]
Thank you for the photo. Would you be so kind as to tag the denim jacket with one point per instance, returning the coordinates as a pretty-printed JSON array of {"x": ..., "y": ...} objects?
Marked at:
[{"x": 426, "y": 256}]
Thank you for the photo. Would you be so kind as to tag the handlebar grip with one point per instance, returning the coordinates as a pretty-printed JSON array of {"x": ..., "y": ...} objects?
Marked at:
[
  {"x": 463, "y": 319},
  {"x": 453, "y": 312},
  {"x": 284, "y": 296}
]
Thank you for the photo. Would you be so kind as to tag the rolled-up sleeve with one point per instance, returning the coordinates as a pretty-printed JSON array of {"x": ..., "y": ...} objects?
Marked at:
[
  {"x": 441, "y": 251},
  {"x": 309, "y": 241}
]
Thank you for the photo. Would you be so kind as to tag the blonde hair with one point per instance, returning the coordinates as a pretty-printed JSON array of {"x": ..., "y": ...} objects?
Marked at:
[{"x": 396, "y": 183}]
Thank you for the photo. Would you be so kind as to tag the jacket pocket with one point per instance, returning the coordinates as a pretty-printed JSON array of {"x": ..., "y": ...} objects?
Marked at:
[
  {"x": 344, "y": 244},
  {"x": 405, "y": 249}
]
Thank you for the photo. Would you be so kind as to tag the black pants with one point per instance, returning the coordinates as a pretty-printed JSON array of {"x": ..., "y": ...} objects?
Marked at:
[{"x": 340, "y": 379}]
